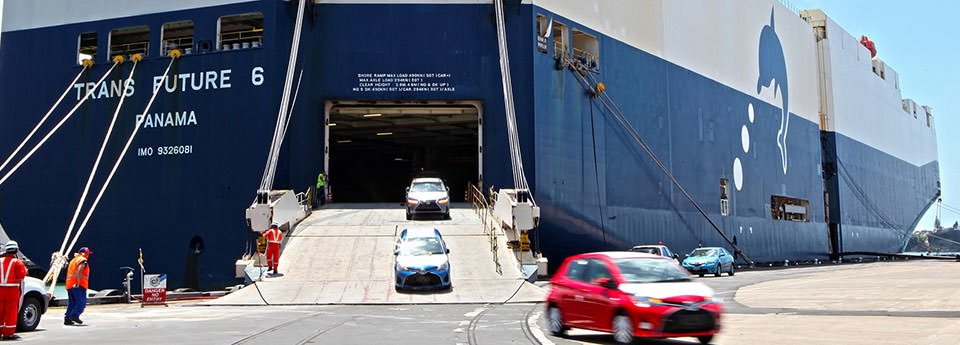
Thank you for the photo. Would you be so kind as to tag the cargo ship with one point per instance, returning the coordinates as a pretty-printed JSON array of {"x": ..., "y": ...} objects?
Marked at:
[{"x": 784, "y": 129}]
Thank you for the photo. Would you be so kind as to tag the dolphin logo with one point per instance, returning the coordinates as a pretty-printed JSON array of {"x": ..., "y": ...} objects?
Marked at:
[{"x": 773, "y": 73}]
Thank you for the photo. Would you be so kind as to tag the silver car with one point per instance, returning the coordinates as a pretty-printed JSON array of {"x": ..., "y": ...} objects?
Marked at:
[{"x": 428, "y": 195}]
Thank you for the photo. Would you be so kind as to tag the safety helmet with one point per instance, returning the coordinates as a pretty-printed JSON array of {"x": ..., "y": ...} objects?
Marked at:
[
  {"x": 275, "y": 225},
  {"x": 11, "y": 247},
  {"x": 85, "y": 250}
]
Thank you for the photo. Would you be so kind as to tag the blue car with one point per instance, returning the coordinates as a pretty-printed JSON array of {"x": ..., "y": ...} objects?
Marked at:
[
  {"x": 705, "y": 260},
  {"x": 421, "y": 260}
]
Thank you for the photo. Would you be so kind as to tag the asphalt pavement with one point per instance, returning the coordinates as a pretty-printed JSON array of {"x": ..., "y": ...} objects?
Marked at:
[{"x": 810, "y": 305}]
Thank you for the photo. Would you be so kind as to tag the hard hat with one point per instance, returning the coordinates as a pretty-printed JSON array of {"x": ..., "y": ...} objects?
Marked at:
[
  {"x": 11, "y": 247},
  {"x": 85, "y": 250},
  {"x": 275, "y": 225}
]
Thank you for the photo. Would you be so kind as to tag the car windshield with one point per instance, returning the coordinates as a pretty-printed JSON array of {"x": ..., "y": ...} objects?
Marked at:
[
  {"x": 703, "y": 253},
  {"x": 427, "y": 187},
  {"x": 637, "y": 270},
  {"x": 421, "y": 246},
  {"x": 648, "y": 250}
]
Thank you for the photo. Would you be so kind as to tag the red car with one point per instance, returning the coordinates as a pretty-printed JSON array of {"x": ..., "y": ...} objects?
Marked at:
[{"x": 631, "y": 295}]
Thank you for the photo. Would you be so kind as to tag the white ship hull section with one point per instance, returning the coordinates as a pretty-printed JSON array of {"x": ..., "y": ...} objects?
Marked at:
[
  {"x": 867, "y": 108},
  {"x": 701, "y": 37}
]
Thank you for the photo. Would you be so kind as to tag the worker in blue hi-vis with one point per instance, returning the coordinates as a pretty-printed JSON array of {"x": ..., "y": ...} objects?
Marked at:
[{"x": 322, "y": 188}]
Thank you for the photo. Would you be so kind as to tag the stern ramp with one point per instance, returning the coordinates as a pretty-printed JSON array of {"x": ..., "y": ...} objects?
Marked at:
[{"x": 343, "y": 254}]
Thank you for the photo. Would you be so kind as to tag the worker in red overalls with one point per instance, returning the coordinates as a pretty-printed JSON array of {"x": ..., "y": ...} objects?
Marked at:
[
  {"x": 273, "y": 236},
  {"x": 12, "y": 272}
]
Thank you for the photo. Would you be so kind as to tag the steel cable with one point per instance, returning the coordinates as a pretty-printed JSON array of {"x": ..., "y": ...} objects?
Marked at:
[
  {"x": 519, "y": 176},
  {"x": 625, "y": 124},
  {"x": 269, "y": 171}
]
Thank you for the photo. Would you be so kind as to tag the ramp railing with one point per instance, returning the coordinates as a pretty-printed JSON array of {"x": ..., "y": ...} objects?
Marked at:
[{"x": 482, "y": 206}]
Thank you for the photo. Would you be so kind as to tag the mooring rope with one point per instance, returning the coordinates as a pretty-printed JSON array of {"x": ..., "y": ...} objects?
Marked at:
[
  {"x": 55, "y": 128},
  {"x": 44, "y": 118}
]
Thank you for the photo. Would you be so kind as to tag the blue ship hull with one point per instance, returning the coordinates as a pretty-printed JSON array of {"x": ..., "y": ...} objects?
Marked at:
[{"x": 610, "y": 200}]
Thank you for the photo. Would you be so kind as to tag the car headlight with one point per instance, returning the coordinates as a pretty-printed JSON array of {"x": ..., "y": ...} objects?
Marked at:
[
  {"x": 402, "y": 268},
  {"x": 712, "y": 300},
  {"x": 443, "y": 201},
  {"x": 644, "y": 302},
  {"x": 444, "y": 266},
  {"x": 412, "y": 201}
]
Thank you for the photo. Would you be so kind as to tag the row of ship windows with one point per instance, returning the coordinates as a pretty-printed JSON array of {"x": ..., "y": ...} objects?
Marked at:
[
  {"x": 238, "y": 31},
  {"x": 781, "y": 207},
  {"x": 573, "y": 43}
]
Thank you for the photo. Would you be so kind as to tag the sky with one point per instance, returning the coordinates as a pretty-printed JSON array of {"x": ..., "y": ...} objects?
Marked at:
[{"x": 917, "y": 39}]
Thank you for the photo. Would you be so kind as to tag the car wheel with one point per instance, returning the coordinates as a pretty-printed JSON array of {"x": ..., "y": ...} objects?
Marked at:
[
  {"x": 29, "y": 316},
  {"x": 622, "y": 329},
  {"x": 731, "y": 270},
  {"x": 555, "y": 321},
  {"x": 705, "y": 339},
  {"x": 701, "y": 275},
  {"x": 447, "y": 215},
  {"x": 719, "y": 270},
  {"x": 409, "y": 216}
]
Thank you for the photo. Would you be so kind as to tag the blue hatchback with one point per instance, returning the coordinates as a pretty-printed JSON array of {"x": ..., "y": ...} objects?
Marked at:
[
  {"x": 705, "y": 260},
  {"x": 421, "y": 260}
]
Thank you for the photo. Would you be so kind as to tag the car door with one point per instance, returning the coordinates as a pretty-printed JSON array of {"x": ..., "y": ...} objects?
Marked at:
[
  {"x": 572, "y": 292},
  {"x": 598, "y": 307},
  {"x": 726, "y": 259}
]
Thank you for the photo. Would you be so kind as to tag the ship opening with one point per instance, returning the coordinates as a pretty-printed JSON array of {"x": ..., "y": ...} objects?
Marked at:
[{"x": 374, "y": 149}]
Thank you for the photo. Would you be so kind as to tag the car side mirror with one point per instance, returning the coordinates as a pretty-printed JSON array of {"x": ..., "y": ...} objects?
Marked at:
[
  {"x": 723, "y": 254},
  {"x": 605, "y": 282},
  {"x": 408, "y": 189},
  {"x": 448, "y": 189},
  {"x": 448, "y": 250}
]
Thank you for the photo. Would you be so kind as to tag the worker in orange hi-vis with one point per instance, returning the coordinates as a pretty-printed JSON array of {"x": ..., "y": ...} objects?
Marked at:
[
  {"x": 12, "y": 272},
  {"x": 78, "y": 281},
  {"x": 273, "y": 236}
]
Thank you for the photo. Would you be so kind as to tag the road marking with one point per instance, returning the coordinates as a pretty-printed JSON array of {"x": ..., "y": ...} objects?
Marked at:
[{"x": 535, "y": 329}]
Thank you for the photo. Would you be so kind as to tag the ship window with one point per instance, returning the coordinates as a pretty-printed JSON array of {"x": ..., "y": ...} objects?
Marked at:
[
  {"x": 724, "y": 197},
  {"x": 542, "y": 25},
  {"x": 586, "y": 49},
  {"x": 240, "y": 31},
  {"x": 129, "y": 41},
  {"x": 176, "y": 35},
  {"x": 561, "y": 40},
  {"x": 791, "y": 209},
  {"x": 87, "y": 47}
]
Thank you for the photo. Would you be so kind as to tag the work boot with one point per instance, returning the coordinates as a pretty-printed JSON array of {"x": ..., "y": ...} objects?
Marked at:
[
  {"x": 67, "y": 322},
  {"x": 77, "y": 320}
]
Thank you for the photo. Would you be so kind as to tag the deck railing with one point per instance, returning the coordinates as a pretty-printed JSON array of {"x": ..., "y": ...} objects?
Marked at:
[{"x": 483, "y": 207}]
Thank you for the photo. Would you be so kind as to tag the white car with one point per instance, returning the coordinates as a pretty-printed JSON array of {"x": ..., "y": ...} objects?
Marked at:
[
  {"x": 428, "y": 195},
  {"x": 33, "y": 303}
]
